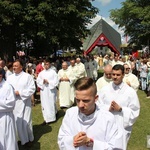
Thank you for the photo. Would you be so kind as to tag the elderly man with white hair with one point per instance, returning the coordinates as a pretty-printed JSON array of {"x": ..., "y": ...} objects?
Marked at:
[
  {"x": 66, "y": 82},
  {"x": 81, "y": 68},
  {"x": 130, "y": 78},
  {"x": 106, "y": 78}
]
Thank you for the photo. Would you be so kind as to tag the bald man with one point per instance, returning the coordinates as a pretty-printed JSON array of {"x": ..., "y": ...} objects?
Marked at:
[
  {"x": 66, "y": 82},
  {"x": 106, "y": 78},
  {"x": 81, "y": 69}
]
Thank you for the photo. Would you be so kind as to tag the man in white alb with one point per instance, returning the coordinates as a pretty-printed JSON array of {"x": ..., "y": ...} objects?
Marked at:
[
  {"x": 66, "y": 82},
  {"x": 122, "y": 101},
  {"x": 47, "y": 81},
  {"x": 73, "y": 68},
  {"x": 130, "y": 78},
  {"x": 86, "y": 127},
  {"x": 81, "y": 68},
  {"x": 24, "y": 87},
  {"x": 8, "y": 139},
  {"x": 106, "y": 78}
]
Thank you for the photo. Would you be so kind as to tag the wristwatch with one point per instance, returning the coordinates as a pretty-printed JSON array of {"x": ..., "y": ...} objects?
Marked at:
[{"x": 89, "y": 143}]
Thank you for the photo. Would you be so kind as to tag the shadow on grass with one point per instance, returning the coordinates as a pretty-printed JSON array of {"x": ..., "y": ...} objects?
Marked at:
[
  {"x": 60, "y": 114},
  {"x": 38, "y": 130}
]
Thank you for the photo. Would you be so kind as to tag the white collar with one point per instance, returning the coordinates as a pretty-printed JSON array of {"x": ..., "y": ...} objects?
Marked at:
[
  {"x": 86, "y": 120},
  {"x": 117, "y": 86}
]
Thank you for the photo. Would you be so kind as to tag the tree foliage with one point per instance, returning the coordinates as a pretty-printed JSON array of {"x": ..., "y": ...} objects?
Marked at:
[
  {"x": 49, "y": 23},
  {"x": 134, "y": 18}
]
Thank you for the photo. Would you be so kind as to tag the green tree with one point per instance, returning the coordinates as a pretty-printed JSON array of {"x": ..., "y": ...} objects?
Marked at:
[
  {"x": 51, "y": 24},
  {"x": 10, "y": 13},
  {"x": 134, "y": 18}
]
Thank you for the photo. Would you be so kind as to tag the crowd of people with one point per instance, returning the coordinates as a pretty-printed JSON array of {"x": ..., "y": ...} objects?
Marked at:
[{"x": 108, "y": 105}]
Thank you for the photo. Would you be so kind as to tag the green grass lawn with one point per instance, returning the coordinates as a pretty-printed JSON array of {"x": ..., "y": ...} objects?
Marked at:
[
  {"x": 46, "y": 136},
  {"x": 141, "y": 128}
]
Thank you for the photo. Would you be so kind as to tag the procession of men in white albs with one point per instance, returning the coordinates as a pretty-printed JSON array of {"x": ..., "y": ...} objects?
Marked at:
[{"x": 117, "y": 97}]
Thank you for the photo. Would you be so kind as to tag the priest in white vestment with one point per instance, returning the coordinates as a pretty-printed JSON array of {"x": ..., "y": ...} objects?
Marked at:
[
  {"x": 122, "y": 101},
  {"x": 8, "y": 139},
  {"x": 106, "y": 78},
  {"x": 73, "y": 68},
  {"x": 24, "y": 87},
  {"x": 66, "y": 81},
  {"x": 47, "y": 81},
  {"x": 81, "y": 69},
  {"x": 130, "y": 78},
  {"x": 87, "y": 127}
]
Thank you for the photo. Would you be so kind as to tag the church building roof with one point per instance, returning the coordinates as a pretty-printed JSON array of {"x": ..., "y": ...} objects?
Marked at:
[{"x": 102, "y": 34}]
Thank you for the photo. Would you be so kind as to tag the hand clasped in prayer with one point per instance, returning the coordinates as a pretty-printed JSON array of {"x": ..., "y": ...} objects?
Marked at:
[
  {"x": 80, "y": 139},
  {"x": 114, "y": 106}
]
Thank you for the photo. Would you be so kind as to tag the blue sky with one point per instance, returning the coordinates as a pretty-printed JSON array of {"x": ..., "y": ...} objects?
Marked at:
[{"x": 104, "y": 7}]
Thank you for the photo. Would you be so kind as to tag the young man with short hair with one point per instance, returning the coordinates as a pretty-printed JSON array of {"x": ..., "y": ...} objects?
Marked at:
[
  {"x": 87, "y": 127},
  {"x": 122, "y": 101}
]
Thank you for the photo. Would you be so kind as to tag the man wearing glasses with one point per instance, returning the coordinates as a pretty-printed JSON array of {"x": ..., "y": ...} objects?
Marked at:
[{"x": 130, "y": 78}]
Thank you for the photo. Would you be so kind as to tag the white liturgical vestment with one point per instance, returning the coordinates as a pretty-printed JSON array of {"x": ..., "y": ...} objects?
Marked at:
[
  {"x": 133, "y": 80},
  {"x": 102, "y": 81},
  {"x": 74, "y": 71},
  {"x": 8, "y": 139},
  {"x": 48, "y": 94},
  {"x": 24, "y": 83},
  {"x": 100, "y": 126},
  {"x": 126, "y": 97},
  {"x": 81, "y": 70},
  {"x": 66, "y": 94}
]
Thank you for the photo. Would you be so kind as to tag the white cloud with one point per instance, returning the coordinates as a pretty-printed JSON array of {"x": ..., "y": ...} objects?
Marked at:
[{"x": 104, "y": 2}]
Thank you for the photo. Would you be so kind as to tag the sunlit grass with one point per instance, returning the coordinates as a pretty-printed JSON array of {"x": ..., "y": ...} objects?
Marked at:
[{"x": 141, "y": 128}]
